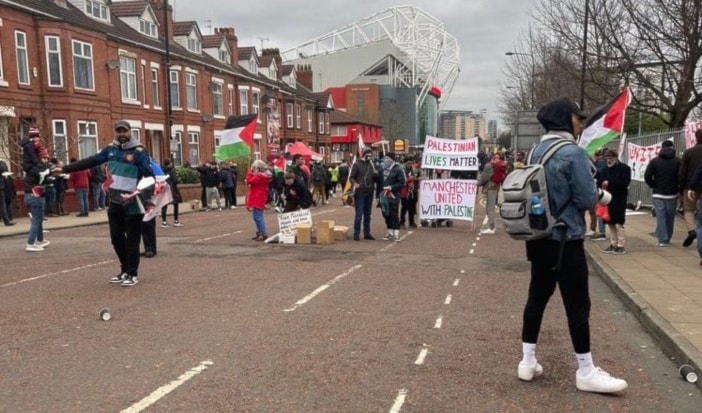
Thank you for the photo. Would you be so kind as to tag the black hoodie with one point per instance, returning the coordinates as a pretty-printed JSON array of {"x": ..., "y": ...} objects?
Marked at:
[
  {"x": 557, "y": 115},
  {"x": 662, "y": 173}
]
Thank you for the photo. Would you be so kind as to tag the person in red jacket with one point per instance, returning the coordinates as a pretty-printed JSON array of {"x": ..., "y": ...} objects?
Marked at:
[
  {"x": 258, "y": 177},
  {"x": 80, "y": 182}
]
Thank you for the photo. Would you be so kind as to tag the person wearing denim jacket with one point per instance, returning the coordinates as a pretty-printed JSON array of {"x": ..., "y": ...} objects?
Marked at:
[{"x": 569, "y": 177}]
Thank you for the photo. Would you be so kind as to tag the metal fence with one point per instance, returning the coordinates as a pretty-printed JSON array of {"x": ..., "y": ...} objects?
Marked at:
[{"x": 638, "y": 190}]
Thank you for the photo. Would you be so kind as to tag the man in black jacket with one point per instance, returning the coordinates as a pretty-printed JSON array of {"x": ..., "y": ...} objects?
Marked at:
[
  {"x": 690, "y": 161},
  {"x": 3, "y": 211},
  {"x": 392, "y": 181},
  {"x": 662, "y": 176},
  {"x": 363, "y": 177}
]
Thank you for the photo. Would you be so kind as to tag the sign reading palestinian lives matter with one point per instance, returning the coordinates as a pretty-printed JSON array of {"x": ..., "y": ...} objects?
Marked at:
[
  {"x": 639, "y": 157},
  {"x": 447, "y": 198},
  {"x": 287, "y": 222},
  {"x": 450, "y": 154}
]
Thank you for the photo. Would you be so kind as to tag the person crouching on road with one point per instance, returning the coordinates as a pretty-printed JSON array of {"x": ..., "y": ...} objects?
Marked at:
[
  {"x": 297, "y": 195},
  {"x": 392, "y": 181},
  {"x": 257, "y": 178}
]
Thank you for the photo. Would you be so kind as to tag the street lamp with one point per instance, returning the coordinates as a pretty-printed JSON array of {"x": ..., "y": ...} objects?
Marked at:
[{"x": 533, "y": 72}]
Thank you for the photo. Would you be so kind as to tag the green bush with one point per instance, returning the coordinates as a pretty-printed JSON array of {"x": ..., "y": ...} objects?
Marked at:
[{"x": 187, "y": 175}]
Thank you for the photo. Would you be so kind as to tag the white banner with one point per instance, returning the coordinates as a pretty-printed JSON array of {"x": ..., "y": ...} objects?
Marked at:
[
  {"x": 447, "y": 199},
  {"x": 690, "y": 129},
  {"x": 450, "y": 154},
  {"x": 287, "y": 222},
  {"x": 639, "y": 157}
]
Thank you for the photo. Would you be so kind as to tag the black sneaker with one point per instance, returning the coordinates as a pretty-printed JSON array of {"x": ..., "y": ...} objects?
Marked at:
[
  {"x": 117, "y": 279},
  {"x": 130, "y": 281},
  {"x": 610, "y": 249},
  {"x": 691, "y": 235},
  {"x": 369, "y": 236},
  {"x": 356, "y": 238},
  {"x": 619, "y": 251}
]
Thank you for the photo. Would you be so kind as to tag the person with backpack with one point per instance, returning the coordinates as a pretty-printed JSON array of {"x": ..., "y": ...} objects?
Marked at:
[
  {"x": 491, "y": 180},
  {"x": 319, "y": 183},
  {"x": 572, "y": 192}
]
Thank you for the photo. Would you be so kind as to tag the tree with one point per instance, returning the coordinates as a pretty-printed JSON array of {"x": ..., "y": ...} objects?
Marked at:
[{"x": 505, "y": 139}]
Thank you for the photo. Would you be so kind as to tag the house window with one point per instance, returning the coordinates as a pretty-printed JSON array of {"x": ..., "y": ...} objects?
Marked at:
[
  {"x": 253, "y": 68},
  {"x": 224, "y": 56},
  {"x": 274, "y": 72},
  {"x": 147, "y": 27},
  {"x": 175, "y": 90},
  {"x": 96, "y": 8},
  {"x": 127, "y": 78},
  {"x": 22, "y": 58},
  {"x": 177, "y": 149},
  {"x": 155, "y": 98},
  {"x": 191, "y": 90},
  {"x": 194, "y": 148},
  {"x": 217, "y": 99},
  {"x": 310, "y": 120},
  {"x": 193, "y": 45},
  {"x": 53, "y": 61},
  {"x": 135, "y": 134},
  {"x": 289, "y": 114},
  {"x": 243, "y": 101},
  {"x": 231, "y": 102},
  {"x": 87, "y": 138},
  {"x": 83, "y": 65},
  {"x": 255, "y": 101},
  {"x": 60, "y": 140},
  {"x": 298, "y": 116},
  {"x": 321, "y": 123},
  {"x": 2, "y": 74}
]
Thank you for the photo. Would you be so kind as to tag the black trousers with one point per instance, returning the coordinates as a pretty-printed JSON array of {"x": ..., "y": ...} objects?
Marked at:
[
  {"x": 3, "y": 211},
  {"x": 125, "y": 233},
  {"x": 392, "y": 219},
  {"x": 572, "y": 281},
  {"x": 229, "y": 200},
  {"x": 148, "y": 234},
  {"x": 409, "y": 207}
]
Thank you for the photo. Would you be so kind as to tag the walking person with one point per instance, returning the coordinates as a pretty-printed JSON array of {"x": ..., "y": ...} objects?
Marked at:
[
  {"x": 97, "y": 177},
  {"x": 258, "y": 177},
  {"x": 409, "y": 194},
  {"x": 4, "y": 173},
  {"x": 689, "y": 162},
  {"x": 61, "y": 185},
  {"x": 616, "y": 178},
  {"x": 10, "y": 196},
  {"x": 661, "y": 176},
  {"x": 80, "y": 181},
  {"x": 491, "y": 179},
  {"x": 228, "y": 179},
  {"x": 572, "y": 191},
  {"x": 127, "y": 163},
  {"x": 35, "y": 181},
  {"x": 391, "y": 184},
  {"x": 364, "y": 178},
  {"x": 173, "y": 181}
]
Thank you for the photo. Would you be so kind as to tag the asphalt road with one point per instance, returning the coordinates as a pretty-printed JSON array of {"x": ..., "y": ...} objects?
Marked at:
[{"x": 220, "y": 323}]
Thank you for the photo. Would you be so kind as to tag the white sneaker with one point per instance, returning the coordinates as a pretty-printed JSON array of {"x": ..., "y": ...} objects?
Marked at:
[
  {"x": 590, "y": 233},
  {"x": 232, "y": 207},
  {"x": 177, "y": 224},
  {"x": 34, "y": 248},
  {"x": 599, "y": 381},
  {"x": 527, "y": 372},
  {"x": 43, "y": 244},
  {"x": 487, "y": 231}
]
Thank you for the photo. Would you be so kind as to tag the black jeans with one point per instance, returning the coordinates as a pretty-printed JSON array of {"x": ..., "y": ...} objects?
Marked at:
[
  {"x": 409, "y": 207},
  {"x": 125, "y": 233},
  {"x": 363, "y": 204},
  {"x": 572, "y": 281},
  {"x": 229, "y": 200},
  {"x": 148, "y": 235},
  {"x": 392, "y": 219}
]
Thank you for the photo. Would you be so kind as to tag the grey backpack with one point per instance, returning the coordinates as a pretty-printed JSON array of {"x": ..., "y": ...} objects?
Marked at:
[{"x": 519, "y": 189}]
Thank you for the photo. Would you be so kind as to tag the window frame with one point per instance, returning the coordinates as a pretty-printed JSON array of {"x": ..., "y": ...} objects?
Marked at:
[
  {"x": 310, "y": 120},
  {"x": 191, "y": 91},
  {"x": 217, "y": 98},
  {"x": 177, "y": 155},
  {"x": 83, "y": 151},
  {"x": 89, "y": 59},
  {"x": 196, "y": 143},
  {"x": 243, "y": 101},
  {"x": 155, "y": 96},
  {"x": 321, "y": 123},
  {"x": 60, "y": 151},
  {"x": 298, "y": 116},
  {"x": 57, "y": 55},
  {"x": 256, "y": 102},
  {"x": 148, "y": 28},
  {"x": 22, "y": 63},
  {"x": 174, "y": 84},
  {"x": 103, "y": 12},
  {"x": 289, "y": 114},
  {"x": 128, "y": 79}
]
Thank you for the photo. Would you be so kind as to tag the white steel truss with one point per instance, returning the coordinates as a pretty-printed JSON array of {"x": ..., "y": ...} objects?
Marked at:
[{"x": 431, "y": 55}]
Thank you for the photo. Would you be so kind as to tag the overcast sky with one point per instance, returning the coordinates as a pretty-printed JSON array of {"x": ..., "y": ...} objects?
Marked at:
[{"x": 485, "y": 30}]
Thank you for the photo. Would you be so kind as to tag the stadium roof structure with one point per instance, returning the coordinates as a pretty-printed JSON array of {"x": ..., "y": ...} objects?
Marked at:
[{"x": 428, "y": 54}]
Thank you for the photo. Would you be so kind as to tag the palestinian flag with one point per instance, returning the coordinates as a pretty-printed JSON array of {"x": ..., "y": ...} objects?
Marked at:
[
  {"x": 606, "y": 123},
  {"x": 121, "y": 176},
  {"x": 237, "y": 139}
]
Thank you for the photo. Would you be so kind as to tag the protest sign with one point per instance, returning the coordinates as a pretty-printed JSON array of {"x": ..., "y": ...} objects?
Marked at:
[
  {"x": 287, "y": 222},
  {"x": 690, "y": 129},
  {"x": 639, "y": 157},
  {"x": 450, "y": 154},
  {"x": 447, "y": 199}
]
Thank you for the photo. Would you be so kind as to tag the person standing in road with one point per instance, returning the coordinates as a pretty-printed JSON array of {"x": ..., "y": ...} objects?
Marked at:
[
  {"x": 173, "y": 181},
  {"x": 690, "y": 161},
  {"x": 388, "y": 192},
  {"x": 491, "y": 179},
  {"x": 80, "y": 180},
  {"x": 228, "y": 179},
  {"x": 127, "y": 163},
  {"x": 662, "y": 177},
  {"x": 409, "y": 193},
  {"x": 35, "y": 181},
  {"x": 258, "y": 177},
  {"x": 4, "y": 173},
  {"x": 97, "y": 177},
  {"x": 363, "y": 177},
  {"x": 616, "y": 178},
  {"x": 571, "y": 189},
  {"x": 343, "y": 175}
]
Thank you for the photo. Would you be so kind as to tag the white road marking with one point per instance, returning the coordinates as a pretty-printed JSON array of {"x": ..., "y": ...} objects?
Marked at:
[
  {"x": 455, "y": 283},
  {"x": 399, "y": 401},
  {"x": 477, "y": 238},
  {"x": 422, "y": 356},
  {"x": 387, "y": 247},
  {"x": 448, "y": 300},
  {"x": 471, "y": 251},
  {"x": 474, "y": 244},
  {"x": 164, "y": 390},
  {"x": 217, "y": 236},
  {"x": 314, "y": 293},
  {"x": 38, "y": 277},
  {"x": 437, "y": 324},
  {"x": 323, "y": 212}
]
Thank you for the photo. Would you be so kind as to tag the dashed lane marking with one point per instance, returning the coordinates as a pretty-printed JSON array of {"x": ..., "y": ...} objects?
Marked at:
[
  {"x": 314, "y": 293},
  {"x": 399, "y": 401},
  {"x": 447, "y": 301},
  {"x": 217, "y": 236},
  {"x": 164, "y": 390},
  {"x": 422, "y": 355},
  {"x": 471, "y": 251},
  {"x": 455, "y": 283},
  {"x": 39, "y": 277},
  {"x": 438, "y": 322}
]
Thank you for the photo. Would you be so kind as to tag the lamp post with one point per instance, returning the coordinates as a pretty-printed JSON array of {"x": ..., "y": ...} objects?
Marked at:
[{"x": 533, "y": 72}]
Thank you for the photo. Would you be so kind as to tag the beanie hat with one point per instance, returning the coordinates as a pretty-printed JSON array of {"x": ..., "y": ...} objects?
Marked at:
[
  {"x": 33, "y": 132},
  {"x": 391, "y": 155}
]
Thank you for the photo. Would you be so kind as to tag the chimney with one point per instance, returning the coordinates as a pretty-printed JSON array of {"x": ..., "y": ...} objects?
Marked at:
[
  {"x": 232, "y": 41},
  {"x": 158, "y": 6},
  {"x": 304, "y": 76}
]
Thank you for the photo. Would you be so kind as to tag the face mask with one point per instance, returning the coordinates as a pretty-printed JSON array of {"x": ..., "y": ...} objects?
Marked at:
[{"x": 387, "y": 162}]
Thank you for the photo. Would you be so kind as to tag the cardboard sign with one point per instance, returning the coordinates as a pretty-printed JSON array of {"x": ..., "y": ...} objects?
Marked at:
[
  {"x": 447, "y": 199},
  {"x": 639, "y": 157},
  {"x": 287, "y": 222},
  {"x": 450, "y": 154}
]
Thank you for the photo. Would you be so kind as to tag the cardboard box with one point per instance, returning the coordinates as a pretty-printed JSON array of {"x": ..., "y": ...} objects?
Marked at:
[
  {"x": 325, "y": 232},
  {"x": 304, "y": 233},
  {"x": 341, "y": 233}
]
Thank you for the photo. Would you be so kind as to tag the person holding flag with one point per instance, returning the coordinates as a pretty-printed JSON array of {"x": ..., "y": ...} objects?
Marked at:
[{"x": 363, "y": 179}]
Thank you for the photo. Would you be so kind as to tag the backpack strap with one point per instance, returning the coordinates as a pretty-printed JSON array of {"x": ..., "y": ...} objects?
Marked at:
[{"x": 548, "y": 153}]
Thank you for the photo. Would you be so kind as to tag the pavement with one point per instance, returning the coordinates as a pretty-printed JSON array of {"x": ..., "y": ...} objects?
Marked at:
[{"x": 662, "y": 286}]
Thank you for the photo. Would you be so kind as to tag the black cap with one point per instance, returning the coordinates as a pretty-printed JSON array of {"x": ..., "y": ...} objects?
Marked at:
[{"x": 123, "y": 124}]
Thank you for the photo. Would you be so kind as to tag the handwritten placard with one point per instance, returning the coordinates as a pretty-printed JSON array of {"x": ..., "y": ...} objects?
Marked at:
[
  {"x": 287, "y": 222},
  {"x": 447, "y": 199},
  {"x": 450, "y": 154},
  {"x": 639, "y": 157}
]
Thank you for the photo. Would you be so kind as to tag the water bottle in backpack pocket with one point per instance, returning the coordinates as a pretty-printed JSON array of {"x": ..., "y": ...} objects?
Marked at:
[{"x": 537, "y": 214}]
